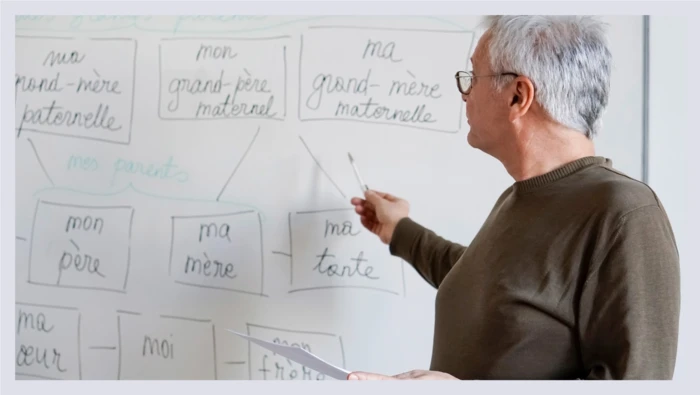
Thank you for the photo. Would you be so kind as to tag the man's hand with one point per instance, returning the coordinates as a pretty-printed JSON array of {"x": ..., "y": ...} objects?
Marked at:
[
  {"x": 412, "y": 375},
  {"x": 380, "y": 212}
]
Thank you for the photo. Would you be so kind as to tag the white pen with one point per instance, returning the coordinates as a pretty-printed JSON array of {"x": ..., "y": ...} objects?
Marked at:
[{"x": 363, "y": 186}]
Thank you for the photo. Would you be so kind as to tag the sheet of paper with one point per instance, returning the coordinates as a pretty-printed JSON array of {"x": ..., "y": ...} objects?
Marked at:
[{"x": 299, "y": 355}]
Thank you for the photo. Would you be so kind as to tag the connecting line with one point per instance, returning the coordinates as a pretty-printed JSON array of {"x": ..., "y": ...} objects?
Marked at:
[
  {"x": 238, "y": 165},
  {"x": 39, "y": 160},
  {"x": 320, "y": 167}
]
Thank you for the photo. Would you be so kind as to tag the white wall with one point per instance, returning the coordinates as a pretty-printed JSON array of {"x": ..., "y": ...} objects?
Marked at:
[{"x": 670, "y": 169}]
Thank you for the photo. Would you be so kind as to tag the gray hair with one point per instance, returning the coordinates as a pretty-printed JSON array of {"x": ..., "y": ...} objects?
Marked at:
[{"x": 566, "y": 58}]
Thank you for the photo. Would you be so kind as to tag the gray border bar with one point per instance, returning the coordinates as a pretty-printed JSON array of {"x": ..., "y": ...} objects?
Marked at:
[{"x": 645, "y": 100}]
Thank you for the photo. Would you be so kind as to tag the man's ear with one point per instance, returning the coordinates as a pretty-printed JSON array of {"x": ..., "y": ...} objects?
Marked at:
[{"x": 523, "y": 95}]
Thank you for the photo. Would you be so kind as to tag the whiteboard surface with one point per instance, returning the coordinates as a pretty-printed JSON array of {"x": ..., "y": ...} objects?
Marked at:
[{"x": 165, "y": 212}]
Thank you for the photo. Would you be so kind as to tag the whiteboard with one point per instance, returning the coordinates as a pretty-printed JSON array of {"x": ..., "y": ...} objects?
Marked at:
[{"x": 180, "y": 176}]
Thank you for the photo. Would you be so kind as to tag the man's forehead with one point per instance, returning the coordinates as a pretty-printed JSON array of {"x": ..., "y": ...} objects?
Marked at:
[
  {"x": 480, "y": 46},
  {"x": 475, "y": 59},
  {"x": 479, "y": 52}
]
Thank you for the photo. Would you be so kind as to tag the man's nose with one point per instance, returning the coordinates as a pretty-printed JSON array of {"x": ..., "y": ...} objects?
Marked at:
[{"x": 464, "y": 97}]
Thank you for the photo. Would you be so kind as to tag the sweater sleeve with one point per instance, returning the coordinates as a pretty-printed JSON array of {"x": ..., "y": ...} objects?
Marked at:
[
  {"x": 431, "y": 255},
  {"x": 630, "y": 302}
]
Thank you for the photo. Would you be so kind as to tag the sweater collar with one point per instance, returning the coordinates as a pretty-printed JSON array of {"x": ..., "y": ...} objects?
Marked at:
[{"x": 559, "y": 173}]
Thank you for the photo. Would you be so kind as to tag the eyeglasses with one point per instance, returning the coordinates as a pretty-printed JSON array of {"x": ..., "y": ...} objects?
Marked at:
[{"x": 464, "y": 80}]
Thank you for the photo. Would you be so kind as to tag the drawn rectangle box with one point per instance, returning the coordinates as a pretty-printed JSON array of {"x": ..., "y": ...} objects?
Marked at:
[
  {"x": 223, "y": 78},
  {"x": 221, "y": 251},
  {"x": 47, "y": 342},
  {"x": 331, "y": 249},
  {"x": 383, "y": 76},
  {"x": 263, "y": 364},
  {"x": 74, "y": 87},
  {"x": 86, "y": 247},
  {"x": 165, "y": 348}
]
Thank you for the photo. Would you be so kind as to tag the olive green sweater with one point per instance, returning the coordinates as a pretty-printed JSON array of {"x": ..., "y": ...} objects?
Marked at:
[{"x": 574, "y": 275}]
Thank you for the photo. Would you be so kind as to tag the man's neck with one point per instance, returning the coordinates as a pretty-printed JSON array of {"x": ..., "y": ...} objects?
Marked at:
[{"x": 546, "y": 150}]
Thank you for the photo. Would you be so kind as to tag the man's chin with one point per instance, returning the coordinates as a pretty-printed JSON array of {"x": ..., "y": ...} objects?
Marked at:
[{"x": 472, "y": 139}]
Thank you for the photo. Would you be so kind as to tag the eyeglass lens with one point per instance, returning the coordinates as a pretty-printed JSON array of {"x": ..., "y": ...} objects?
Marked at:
[{"x": 464, "y": 83}]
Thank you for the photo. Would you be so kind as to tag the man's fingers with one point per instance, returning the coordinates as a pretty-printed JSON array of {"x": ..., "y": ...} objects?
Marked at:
[
  {"x": 366, "y": 211},
  {"x": 389, "y": 197},
  {"x": 356, "y": 201},
  {"x": 411, "y": 375},
  {"x": 381, "y": 195},
  {"x": 367, "y": 223},
  {"x": 363, "y": 207},
  {"x": 368, "y": 376},
  {"x": 372, "y": 197},
  {"x": 424, "y": 375}
]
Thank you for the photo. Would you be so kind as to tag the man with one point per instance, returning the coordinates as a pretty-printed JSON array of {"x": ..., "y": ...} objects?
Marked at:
[{"x": 575, "y": 272}]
